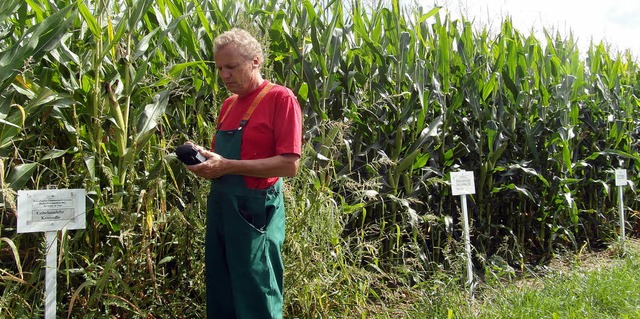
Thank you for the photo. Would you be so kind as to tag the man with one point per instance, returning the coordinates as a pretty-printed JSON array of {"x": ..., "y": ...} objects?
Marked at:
[{"x": 258, "y": 141}]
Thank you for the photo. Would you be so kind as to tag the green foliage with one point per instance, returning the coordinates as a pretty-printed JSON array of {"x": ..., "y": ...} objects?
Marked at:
[
  {"x": 96, "y": 95},
  {"x": 604, "y": 289}
]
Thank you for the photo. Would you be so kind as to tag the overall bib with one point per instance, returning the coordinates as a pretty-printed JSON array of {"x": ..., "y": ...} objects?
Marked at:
[{"x": 244, "y": 236}]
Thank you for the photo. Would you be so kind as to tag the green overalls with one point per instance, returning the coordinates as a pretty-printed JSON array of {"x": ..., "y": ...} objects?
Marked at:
[{"x": 245, "y": 232}]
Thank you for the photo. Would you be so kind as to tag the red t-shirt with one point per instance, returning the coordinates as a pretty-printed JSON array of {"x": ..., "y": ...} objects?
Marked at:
[{"x": 274, "y": 128}]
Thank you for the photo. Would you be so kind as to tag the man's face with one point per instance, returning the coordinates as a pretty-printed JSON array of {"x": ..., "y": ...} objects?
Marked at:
[{"x": 237, "y": 73}]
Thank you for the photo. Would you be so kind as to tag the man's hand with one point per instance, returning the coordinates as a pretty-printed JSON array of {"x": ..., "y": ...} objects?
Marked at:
[{"x": 212, "y": 168}]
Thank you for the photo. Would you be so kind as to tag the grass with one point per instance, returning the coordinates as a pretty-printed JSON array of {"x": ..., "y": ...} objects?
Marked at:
[
  {"x": 600, "y": 284},
  {"x": 589, "y": 285},
  {"x": 594, "y": 285}
]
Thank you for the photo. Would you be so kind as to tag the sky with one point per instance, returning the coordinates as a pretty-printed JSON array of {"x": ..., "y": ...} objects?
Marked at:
[{"x": 615, "y": 22}]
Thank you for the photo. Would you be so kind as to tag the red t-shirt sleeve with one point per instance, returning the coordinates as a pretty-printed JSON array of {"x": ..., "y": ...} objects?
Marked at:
[{"x": 288, "y": 124}]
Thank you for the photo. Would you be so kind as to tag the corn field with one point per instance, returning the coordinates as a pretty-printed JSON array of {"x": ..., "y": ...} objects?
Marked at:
[{"x": 97, "y": 94}]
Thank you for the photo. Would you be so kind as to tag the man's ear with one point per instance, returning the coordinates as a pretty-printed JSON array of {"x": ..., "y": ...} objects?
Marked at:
[{"x": 256, "y": 62}]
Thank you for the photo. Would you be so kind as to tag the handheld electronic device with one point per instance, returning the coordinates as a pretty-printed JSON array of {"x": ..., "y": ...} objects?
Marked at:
[{"x": 189, "y": 155}]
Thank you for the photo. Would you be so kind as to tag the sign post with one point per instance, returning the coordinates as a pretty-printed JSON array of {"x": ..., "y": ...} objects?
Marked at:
[
  {"x": 51, "y": 270},
  {"x": 621, "y": 180},
  {"x": 462, "y": 184},
  {"x": 50, "y": 211}
]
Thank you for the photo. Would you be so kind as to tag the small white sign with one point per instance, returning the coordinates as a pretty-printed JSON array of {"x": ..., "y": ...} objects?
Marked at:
[
  {"x": 51, "y": 210},
  {"x": 462, "y": 183},
  {"x": 621, "y": 177}
]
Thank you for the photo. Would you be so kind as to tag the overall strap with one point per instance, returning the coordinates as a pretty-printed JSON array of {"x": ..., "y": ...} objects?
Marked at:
[{"x": 253, "y": 106}]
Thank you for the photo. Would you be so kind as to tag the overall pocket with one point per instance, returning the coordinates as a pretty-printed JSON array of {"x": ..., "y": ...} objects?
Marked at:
[{"x": 254, "y": 212}]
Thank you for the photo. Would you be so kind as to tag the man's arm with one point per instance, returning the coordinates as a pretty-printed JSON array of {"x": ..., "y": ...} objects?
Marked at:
[{"x": 285, "y": 165}]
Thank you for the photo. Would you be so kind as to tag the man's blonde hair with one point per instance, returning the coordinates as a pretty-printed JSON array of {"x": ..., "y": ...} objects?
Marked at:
[{"x": 245, "y": 43}]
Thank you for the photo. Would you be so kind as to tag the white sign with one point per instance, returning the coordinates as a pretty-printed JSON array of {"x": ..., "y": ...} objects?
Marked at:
[
  {"x": 462, "y": 183},
  {"x": 51, "y": 210},
  {"x": 621, "y": 177}
]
